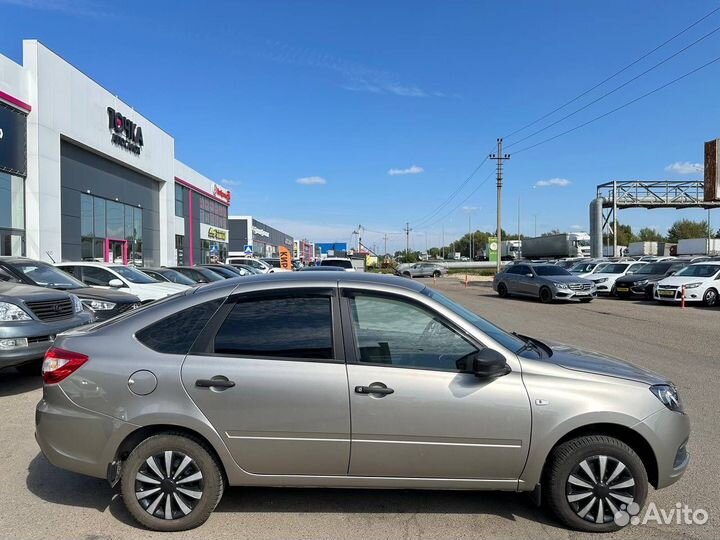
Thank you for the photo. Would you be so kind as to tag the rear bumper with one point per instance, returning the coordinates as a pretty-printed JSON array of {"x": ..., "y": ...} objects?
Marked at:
[{"x": 74, "y": 438}]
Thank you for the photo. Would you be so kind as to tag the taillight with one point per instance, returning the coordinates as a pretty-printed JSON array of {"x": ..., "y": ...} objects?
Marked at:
[{"x": 60, "y": 364}]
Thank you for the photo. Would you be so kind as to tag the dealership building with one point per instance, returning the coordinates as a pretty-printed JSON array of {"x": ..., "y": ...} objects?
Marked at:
[
  {"x": 251, "y": 236},
  {"x": 83, "y": 176}
]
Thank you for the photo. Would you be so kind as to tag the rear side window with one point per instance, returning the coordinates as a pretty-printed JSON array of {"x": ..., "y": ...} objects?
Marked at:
[
  {"x": 176, "y": 333},
  {"x": 343, "y": 264},
  {"x": 289, "y": 327}
]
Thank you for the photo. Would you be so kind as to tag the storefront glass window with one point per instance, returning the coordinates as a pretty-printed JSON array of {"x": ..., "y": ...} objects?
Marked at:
[
  {"x": 12, "y": 215},
  {"x": 212, "y": 252},
  {"x": 179, "y": 200},
  {"x": 115, "y": 220},
  {"x": 86, "y": 215},
  {"x": 99, "y": 217}
]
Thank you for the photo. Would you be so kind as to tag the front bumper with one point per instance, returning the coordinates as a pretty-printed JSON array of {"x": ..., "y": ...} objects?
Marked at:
[
  {"x": 39, "y": 335},
  {"x": 569, "y": 294},
  {"x": 691, "y": 295},
  {"x": 668, "y": 433},
  {"x": 74, "y": 438}
]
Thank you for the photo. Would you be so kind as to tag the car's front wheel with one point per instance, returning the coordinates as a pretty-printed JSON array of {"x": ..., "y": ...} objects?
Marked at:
[
  {"x": 590, "y": 482},
  {"x": 171, "y": 482},
  {"x": 502, "y": 290},
  {"x": 545, "y": 295},
  {"x": 437, "y": 274},
  {"x": 710, "y": 298}
]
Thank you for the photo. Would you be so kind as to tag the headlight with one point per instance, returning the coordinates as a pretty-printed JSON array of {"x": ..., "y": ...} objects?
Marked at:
[
  {"x": 560, "y": 285},
  {"x": 77, "y": 304},
  {"x": 641, "y": 282},
  {"x": 98, "y": 305},
  {"x": 11, "y": 312},
  {"x": 668, "y": 394},
  {"x": 601, "y": 280},
  {"x": 693, "y": 285}
]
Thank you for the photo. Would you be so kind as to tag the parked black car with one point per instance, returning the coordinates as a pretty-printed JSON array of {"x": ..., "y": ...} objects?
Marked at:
[
  {"x": 227, "y": 271},
  {"x": 168, "y": 275},
  {"x": 198, "y": 274},
  {"x": 30, "y": 318},
  {"x": 105, "y": 303},
  {"x": 642, "y": 282}
]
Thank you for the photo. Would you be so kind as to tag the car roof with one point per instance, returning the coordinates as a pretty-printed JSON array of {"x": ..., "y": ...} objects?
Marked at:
[
  {"x": 88, "y": 263},
  {"x": 708, "y": 262},
  {"x": 321, "y": 278},
  {"x": 15, "y": 259}
]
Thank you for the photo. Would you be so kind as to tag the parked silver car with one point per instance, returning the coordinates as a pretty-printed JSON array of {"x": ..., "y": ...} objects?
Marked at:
[
  {"x": 544, "y": 281},
  {"x": 423, "y": 269},
  {"x": 334, "y": 379}
]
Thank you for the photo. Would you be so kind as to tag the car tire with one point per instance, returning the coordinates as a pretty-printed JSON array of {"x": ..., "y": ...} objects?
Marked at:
[
  {"x": 197, "y": 498},
  {"x": 565, "y": 483},
  {"x": 502, "y": 290},
  {"x": 437, "y": 274},
  {"x": 710, "y": 298},
  {"x": 406, "y": 274},
  {"x": 34, "y": 367},
  {"x": 545, "y": 295}
]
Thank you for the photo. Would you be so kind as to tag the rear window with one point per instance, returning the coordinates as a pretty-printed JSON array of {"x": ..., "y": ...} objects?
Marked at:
[
  {"x": 338, "y": 263},
  {"x": 176, "y": 333}
]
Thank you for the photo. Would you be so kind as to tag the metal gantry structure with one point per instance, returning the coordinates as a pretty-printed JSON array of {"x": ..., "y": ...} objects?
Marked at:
[{"x": 650, "y": 194}]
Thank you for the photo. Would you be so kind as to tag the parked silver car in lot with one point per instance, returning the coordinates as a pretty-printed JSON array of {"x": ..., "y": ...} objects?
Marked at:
[
  {"x": 334, "y": 379},
  {"x": 423, "y": 269},
  {"x": 544, "y": 281}
]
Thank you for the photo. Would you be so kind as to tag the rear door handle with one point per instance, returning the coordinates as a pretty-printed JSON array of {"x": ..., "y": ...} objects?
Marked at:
[
  {"x": 214, "y": 383},
  {"x": 382, "y": 390}
]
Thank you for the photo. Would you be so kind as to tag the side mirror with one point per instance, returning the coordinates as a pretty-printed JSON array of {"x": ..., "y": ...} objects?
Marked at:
[
  {"x": 116, "y": 283},
  {"x": 486, "y": 363}
]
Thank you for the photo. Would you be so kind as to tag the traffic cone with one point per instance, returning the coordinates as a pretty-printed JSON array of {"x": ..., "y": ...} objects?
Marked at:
[{"x": 682, "y": 298}]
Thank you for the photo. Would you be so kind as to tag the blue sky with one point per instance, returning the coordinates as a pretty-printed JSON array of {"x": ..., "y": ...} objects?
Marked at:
[{"x": 265, "y": 93}]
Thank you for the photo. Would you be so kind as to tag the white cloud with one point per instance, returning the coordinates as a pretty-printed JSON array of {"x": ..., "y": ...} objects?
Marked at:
[
  {"x": 230, "y": 183},
  {"x": 577, "y": 227},
  {"x": 413, "y": 169},
  {"x": 469, "y": 208},
  {"x": 684, "y": 167},
  {"x": 553, "y": 182},
  {"x": 311, "y": 181}
]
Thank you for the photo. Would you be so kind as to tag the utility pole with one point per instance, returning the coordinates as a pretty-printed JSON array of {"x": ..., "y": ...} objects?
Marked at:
[
  {"x": 442, "y": 247},
  {"x": 407, "y": 240},
  {"x": 385, "y": 238},
  {"x": 470, "y": 236},
  {"x": 499, "y": 157}
]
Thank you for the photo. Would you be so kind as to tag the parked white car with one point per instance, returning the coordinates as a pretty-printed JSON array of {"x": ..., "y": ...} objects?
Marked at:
[
  {"x": 258, "y": 264},
  {"x": 340, "y": 262},
  {"x": 605, "y": 279},
  {"x": 125, "y": 278},
  {"x": 701, "y": 282}
]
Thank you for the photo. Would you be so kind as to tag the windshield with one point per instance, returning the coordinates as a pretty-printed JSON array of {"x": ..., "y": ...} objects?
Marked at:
[
  {"x": 275, "y": 263},
  {"x": 48, "y": 276},
  {"x": 133, "y": 275},
  {"x": 699, "y": 270},
  {"x": 550, "y": 270},
  {"x": 176, "y": 277},
  {"x": 342, "y": 264},
  {"x": 654, "y": 268},
  {"x": 613, "y": 269},
  {"x": 581, "y": 268},
  {"x": 504, "y": 338}
]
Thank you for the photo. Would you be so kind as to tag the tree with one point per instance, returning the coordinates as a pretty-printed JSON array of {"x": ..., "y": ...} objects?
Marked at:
[
  {"x": 551, "y": 233},
  {"x": 647, "y": 234},
  {"x": 686, "y": 228},
  {"x": 624, "y": 236}
]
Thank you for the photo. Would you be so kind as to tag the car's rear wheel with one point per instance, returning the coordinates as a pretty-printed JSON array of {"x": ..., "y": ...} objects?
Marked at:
[
  {"x": 34, "y": 367},
  {"x": 502, "y": 290},
  {"x": 545, "y": 295},
  {"x": 171, "y": 482},
  {"x": 591, "y": 481},
  {"x": 710, "y": 298},
  {"x": 436, "y": 274}
]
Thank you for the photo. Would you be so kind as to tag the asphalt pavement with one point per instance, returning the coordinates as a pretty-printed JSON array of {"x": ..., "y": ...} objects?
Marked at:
[{"x": 40, "y": 501}]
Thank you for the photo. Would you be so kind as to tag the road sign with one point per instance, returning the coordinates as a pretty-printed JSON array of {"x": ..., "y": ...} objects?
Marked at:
[
  {"x": 248, "y": 249},
  {"x": 493, "y": 245}
]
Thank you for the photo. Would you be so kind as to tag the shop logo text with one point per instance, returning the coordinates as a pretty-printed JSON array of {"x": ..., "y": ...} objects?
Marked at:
[{"x": 125, "y": 132}]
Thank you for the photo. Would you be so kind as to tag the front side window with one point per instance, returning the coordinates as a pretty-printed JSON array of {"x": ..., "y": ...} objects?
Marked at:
[
  {"x": 550, "y": 270},
  {"x": 96, "y": 276},
  {"x": 699, "y": 270},
  {"x": 402, "y": 334},
  {"x": 283, "y": 327}
]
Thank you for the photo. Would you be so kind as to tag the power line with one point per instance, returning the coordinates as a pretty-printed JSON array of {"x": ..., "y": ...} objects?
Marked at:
[
  {"x": 442, "y": 218},
  {"x": 631, "y": 64},
  {"x": 677, "y": 79},
  {"x": 623, "y": 85}
]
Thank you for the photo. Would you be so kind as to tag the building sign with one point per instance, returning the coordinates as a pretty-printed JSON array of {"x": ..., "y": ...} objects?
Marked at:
[
  {"x": 257, "y": 231},
  {"x": 13, "y": 136},
  {"x": 125, "y": 132},
  {"x": 493, "y": 249},
  {"x": 217, "y": 234},
  {"x": 220, "y": 193}
]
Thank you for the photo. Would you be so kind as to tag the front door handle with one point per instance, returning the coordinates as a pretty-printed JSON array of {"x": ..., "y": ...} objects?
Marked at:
[
  {"x": 382, "y": 390},
  {"x": 214, "y": 383}
]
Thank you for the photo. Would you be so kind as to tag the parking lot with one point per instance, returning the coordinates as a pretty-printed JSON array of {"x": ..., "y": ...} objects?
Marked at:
[{"x": 681, "y": 344}]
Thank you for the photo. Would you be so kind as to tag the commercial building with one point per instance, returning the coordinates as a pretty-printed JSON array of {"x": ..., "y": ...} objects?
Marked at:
[
  {"x": 83, "y": 176},
  {"x": 248, "y": 235}
]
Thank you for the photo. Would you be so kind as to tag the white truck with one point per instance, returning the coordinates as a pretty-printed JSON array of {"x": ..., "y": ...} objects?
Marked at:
[
  {"x": 620, "y": 251},
  {"x": 642, "y": 249},
  {"x": 557, "y": 246},
  {"x": 698, "y": 246}
]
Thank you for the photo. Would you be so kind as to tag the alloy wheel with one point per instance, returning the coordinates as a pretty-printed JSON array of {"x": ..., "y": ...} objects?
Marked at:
[
  {"x": 599, "y": 487},
  {"x": 169, "y": 485},
  {"x": 711, "y": 297}
]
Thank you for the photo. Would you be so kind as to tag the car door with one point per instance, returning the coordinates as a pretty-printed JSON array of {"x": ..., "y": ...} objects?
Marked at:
[
  {"x": 280, "y": 401},
  {"x": 414, "y": 413},
  {"x": 521, "y": 285},
  {"x": 97, "y": 277},
  {"x": 511, "y": 278}
]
